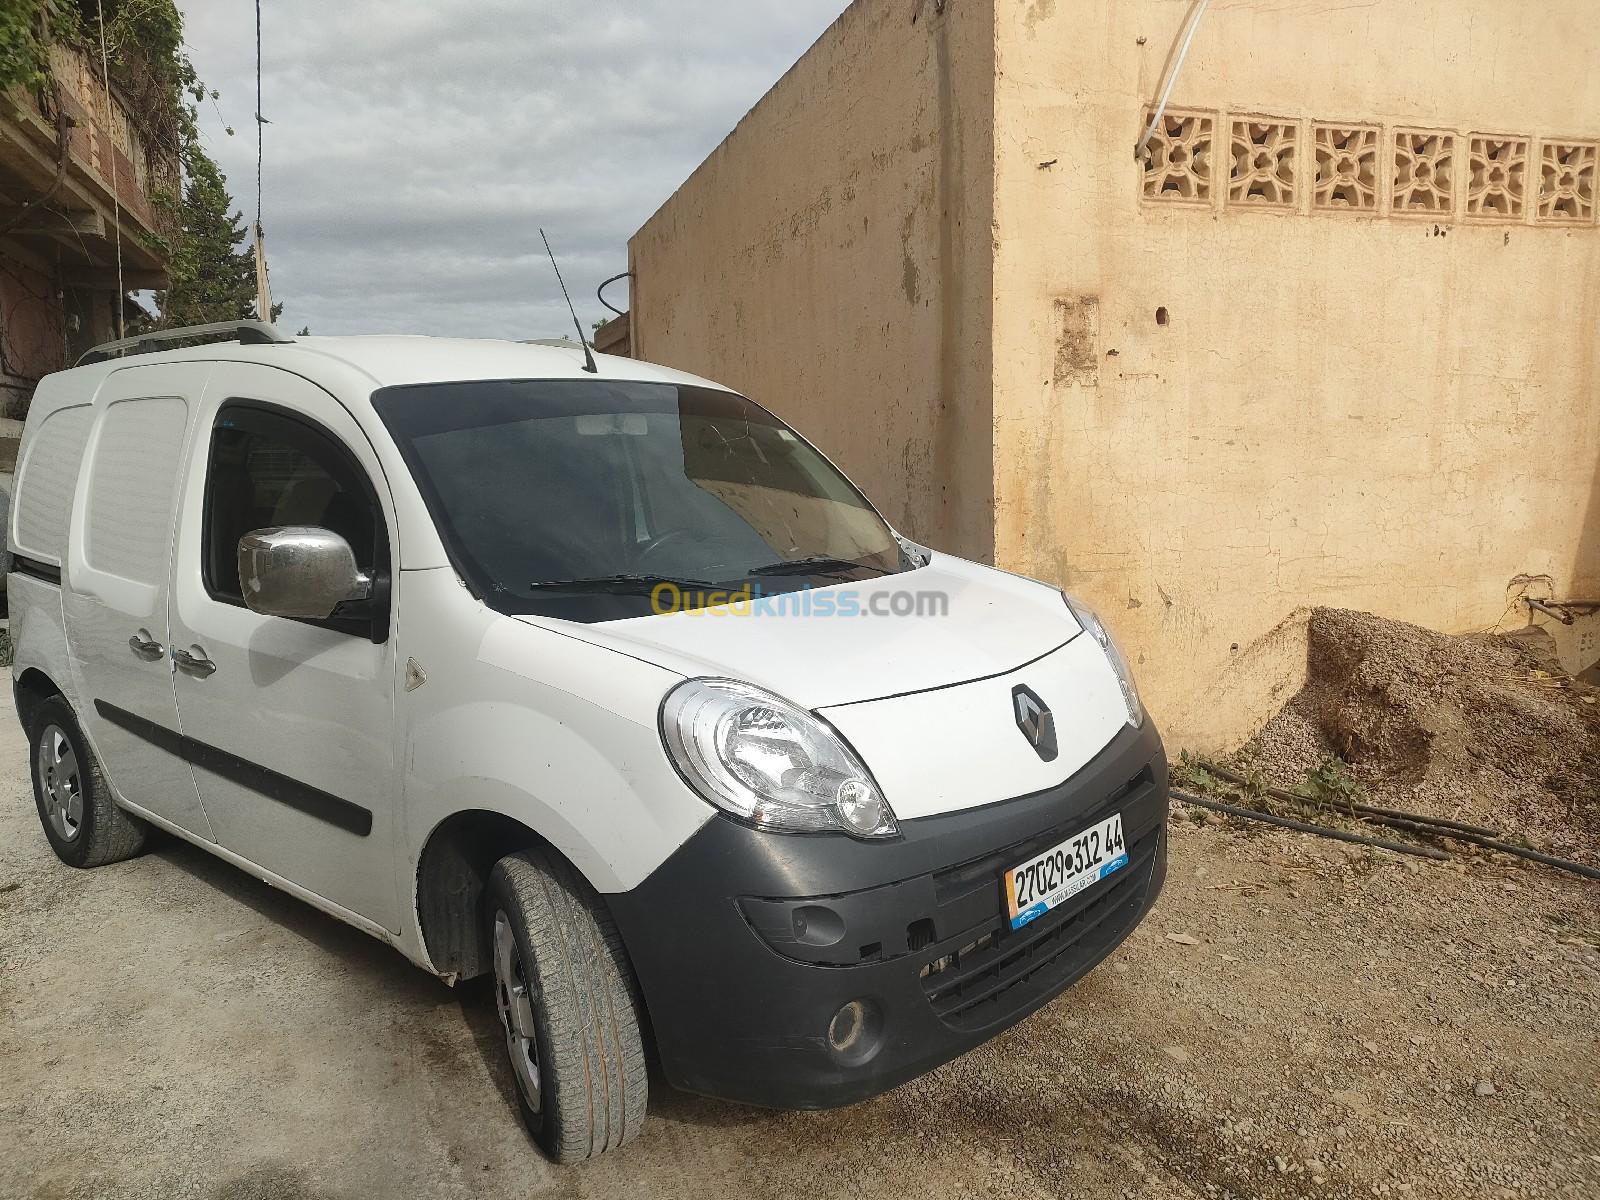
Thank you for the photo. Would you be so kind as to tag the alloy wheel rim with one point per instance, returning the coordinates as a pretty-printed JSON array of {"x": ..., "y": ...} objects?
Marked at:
[
  {"x": 514, "y": 1000},
  {"x": 60, "y": 783}
]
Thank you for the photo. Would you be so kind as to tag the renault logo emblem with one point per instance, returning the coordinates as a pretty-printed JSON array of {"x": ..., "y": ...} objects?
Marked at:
[{"x": 1035, "y": 720}]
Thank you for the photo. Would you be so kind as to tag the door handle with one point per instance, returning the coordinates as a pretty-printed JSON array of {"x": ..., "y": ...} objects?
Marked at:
[
  {"x": 146, "y": 647},
  {"x": 197, "y": 665}
]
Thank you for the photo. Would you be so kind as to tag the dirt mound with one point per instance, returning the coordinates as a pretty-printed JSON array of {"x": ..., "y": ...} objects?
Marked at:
[{"x": 1482, "y": 728}]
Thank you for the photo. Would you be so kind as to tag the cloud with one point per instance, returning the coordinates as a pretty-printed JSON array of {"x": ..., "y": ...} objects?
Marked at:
[{"x": 415, "y": 149}]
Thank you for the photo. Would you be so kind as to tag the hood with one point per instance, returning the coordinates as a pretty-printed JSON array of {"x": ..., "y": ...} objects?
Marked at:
[
  {"x": 992, "y": 623},
  {"x": 963, "y": 747}
]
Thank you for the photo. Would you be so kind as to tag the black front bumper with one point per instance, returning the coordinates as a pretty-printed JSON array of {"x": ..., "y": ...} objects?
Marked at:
[{"x": 747, "y": 943}]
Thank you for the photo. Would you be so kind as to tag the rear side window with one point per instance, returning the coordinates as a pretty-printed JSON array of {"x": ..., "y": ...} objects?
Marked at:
[
  {"x": 49, "y": 477},
  {"x": 133, "y": 488},
  {"x": 269, "y": 469}
]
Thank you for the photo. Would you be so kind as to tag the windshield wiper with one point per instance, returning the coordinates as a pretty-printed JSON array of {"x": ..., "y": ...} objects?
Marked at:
[
  {"x": 816, "y": 564},
  {"x": 618, "y": 585}
]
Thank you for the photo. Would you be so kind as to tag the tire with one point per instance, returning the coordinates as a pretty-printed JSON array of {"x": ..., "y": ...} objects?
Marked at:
[
  {"x": 82, "y": 821},
  {"x": 559, "y": 966}
]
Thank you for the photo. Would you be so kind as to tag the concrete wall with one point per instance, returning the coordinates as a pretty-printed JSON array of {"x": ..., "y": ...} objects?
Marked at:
[
  {"x": 831, "y": 260},
  {"x": 1388, "y": 412},
  {"x": 32, "y": 330},
  {"x": 930, "y": 246},
  {"x": 44, "y": 325}
]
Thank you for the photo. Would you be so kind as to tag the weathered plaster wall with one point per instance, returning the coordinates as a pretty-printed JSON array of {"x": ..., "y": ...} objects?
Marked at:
[
  {"x": 32, "y": 333},
  {"x": 1393, "y": 413},
  {"x": 930, "y": 248},
  {"x": 831, "y": 260}
]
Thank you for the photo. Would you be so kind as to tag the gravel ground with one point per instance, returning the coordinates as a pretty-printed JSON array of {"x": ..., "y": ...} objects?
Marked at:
[
  {"x": 1484, "y": 728},
  {"x": 1296, "y": 1018}
]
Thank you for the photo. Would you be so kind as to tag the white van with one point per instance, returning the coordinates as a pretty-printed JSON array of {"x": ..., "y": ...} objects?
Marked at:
[{"x": 605, "y": 684}]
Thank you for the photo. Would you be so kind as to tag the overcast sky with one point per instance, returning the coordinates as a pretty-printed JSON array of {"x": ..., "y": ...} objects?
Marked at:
[{"x": 416, "y": 147}]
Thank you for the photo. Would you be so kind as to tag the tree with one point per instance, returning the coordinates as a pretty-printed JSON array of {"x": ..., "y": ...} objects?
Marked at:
[{"x": 213, "y": 278}]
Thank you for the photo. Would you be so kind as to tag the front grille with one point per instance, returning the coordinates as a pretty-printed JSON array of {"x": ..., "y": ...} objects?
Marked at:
[
  {"x": 1005, "y": 969},
  {"x": 982, "y": 872}
]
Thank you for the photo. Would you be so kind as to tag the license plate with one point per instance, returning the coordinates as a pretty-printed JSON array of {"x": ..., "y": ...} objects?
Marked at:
[{"x": 1060, "y": 873}]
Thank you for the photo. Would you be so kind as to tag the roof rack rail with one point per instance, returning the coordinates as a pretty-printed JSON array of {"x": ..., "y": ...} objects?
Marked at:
[{"x": 246, "y": 333}]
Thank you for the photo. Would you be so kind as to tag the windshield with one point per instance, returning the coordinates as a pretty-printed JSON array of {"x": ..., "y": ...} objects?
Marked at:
[{"x": 574, "y": 497}]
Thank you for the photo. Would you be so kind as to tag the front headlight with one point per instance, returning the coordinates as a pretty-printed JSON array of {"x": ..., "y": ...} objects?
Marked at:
[
  {"x": 769, "y": 762},
  {"x": 1130, "y": 691}
]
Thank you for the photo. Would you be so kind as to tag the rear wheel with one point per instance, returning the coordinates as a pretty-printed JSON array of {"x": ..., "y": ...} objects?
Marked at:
[
  {"x": 82, "y": 821},
  {"x": 568, "y": 1008}
]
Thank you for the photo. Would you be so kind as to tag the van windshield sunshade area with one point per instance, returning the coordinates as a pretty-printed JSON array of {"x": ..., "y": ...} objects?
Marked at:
[{"x": 576, "y": 498}]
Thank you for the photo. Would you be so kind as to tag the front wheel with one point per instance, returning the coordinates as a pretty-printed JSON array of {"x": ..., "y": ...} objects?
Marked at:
[{"x": 568, "y": 1007}]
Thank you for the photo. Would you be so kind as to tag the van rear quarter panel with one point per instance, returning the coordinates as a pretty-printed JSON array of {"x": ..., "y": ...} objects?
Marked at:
[
  {"x": 552, "y": 731},
  {"x": 42, "y": 507},
  {"x": 38, "y": 634}
]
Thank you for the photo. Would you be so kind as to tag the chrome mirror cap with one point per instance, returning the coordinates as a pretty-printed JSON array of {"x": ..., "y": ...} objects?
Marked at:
[{"x": 299, "y": 571}]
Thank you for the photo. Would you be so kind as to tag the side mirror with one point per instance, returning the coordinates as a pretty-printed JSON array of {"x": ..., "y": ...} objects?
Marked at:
[{"x": 299, "y": 571}]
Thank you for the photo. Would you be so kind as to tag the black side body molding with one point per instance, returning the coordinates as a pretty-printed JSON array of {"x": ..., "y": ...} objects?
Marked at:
[{"x": 301, "y": 797}]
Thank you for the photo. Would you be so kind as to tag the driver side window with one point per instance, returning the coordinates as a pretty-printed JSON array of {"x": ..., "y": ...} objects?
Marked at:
[{"x": 268, "y": 469}]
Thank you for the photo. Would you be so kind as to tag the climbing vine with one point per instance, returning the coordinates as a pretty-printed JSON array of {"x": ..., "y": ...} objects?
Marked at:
[
  {"x": 144, "y": 58},
  {"x": 212, "y": 278},
  {"x": 25, "y": 28}
]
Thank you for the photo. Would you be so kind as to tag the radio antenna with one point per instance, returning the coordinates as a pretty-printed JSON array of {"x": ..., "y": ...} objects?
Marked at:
[{"x": 588, "y": 355}]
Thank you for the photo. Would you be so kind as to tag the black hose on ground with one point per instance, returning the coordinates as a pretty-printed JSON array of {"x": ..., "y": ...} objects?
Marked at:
[
  {"x": 1412, "y": 823},
  {"x": 1421, "y": 829},
  {"x": 1326, "y": 831},
  {"x": 1359, "y": 809},
  {"x": 1560, "y": 864}
]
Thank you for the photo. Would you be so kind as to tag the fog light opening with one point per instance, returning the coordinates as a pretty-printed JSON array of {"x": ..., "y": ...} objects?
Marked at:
[
  {"x": 847, "y": 1026},
  {"x": 853, "y": 1033}
]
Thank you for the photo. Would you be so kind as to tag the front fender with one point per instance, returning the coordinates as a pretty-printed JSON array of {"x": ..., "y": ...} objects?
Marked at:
[
  {"x": 588, "y": 782},
  {"x": 559, "y": 735}
]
